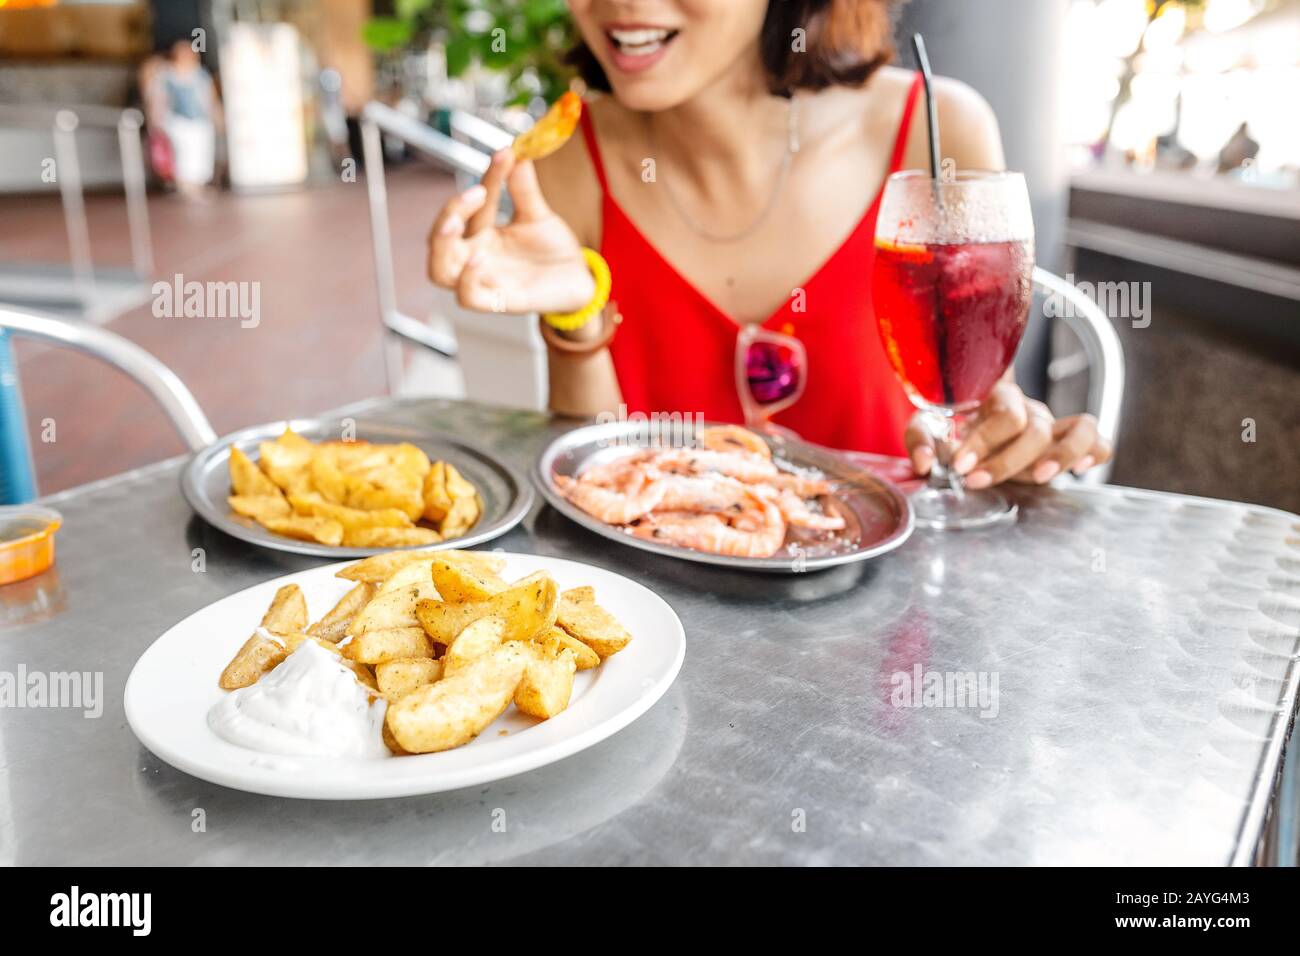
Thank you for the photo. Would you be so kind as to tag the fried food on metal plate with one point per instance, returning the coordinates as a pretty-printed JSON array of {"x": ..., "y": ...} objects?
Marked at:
[
  {"x": 261, "y": 508},
  {"x": 547, "y": 683},
  {"x": 551, "y": 131},
  {"x": 456, "y": 709},
  {"x": 334, "y": 625},
  {"x": 304, "y": 528},
  {"x": 403, "y": 675},
  {"x": 247, "y": 479},
  {"x": 352, "y": 493},
  {"x": 527, "y": 607},
  {"x": 580, "y": 616}
]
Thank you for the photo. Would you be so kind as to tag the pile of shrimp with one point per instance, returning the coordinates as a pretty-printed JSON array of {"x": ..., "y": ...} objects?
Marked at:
[{"x": 725, "y": 496}]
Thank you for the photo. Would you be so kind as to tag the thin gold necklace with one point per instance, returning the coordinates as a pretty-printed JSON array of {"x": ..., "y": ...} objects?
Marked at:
[{"x": 787, "y": 158}]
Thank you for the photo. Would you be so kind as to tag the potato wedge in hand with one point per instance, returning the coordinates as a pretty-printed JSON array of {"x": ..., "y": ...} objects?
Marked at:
[
  {"x": 401, "y": 676},
  {"x": 527, "y": 608},
  {"x": 547, "y": 684},
  {"x": 482, "y": 637},
  {"x": 580, "y": 616},
  {"x": 388, "y": 644},
  {"x": 458, "y": 708}
]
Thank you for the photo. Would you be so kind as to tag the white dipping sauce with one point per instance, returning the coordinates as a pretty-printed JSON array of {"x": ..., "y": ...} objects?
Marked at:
[{"x": 310, "y": 705}]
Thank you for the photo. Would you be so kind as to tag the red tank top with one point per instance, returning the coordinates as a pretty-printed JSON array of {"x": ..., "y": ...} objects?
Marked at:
[{"x": 852, "y": 398}]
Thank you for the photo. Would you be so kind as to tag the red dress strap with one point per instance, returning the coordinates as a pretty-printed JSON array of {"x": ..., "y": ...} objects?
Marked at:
[
  {"x": 589, "y": 136},
  {"x": 900, "y": 141}
]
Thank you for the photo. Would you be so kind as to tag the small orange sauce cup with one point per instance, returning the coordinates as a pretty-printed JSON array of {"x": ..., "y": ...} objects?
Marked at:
[{"x": 26, "y": 541}]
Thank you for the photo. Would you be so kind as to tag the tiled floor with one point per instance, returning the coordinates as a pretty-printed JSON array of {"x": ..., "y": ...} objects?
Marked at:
[{"x": 317, "y": 346}]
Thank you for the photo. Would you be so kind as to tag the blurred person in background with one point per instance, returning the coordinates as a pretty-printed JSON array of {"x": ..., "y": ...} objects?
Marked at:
[
  {"x": 184, "y": 113},
  {"x": 730, "y": 175}
]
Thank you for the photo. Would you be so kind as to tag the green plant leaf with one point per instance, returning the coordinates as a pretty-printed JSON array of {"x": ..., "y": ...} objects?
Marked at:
[{"x": 384, "y": 34}]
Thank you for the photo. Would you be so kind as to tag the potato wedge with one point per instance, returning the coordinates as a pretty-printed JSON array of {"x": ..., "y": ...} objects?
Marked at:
[
  {"x": 459, "y": 582},
  {"x": 320, "y": 530},
  {"x": 288, "y": 611},
  {"x": 391, "y": 537},
  {"x": 580, "y": 616},
  {"x": 352, "y": 519},
  {"x": 287, "y": 462},
  {"x": 463, "y": 515},
  {"x": 403, "y": 675},
  {"x": 555, "y": 639},
  {"x": 261, "y": 508},
  {"x": 334, "y": 625},
  {"x": 258, "y": 655},
  {"x": 547, "y": 684},
  {"x": 247, "y": 479},
  {"x": 456, "y": 709},
  {"x": 388, "y": 644},
  {"x": 482, "y": 637},
  {"x": 395, "y": 608},
  {"x": 415, "y": 574},
  {"x": 380, "y": 567},
  {"x": 436, "y": 500},
  {"x": 527, "y": 607}
]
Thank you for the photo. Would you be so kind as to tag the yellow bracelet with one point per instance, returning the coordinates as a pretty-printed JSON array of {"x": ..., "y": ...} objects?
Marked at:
[{"x": 572, "y": 321}]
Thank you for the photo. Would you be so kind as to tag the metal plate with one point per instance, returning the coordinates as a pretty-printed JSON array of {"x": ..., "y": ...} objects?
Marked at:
[
  {"x": 878, "y": 515},
  {"x": 205, "y": 482}
]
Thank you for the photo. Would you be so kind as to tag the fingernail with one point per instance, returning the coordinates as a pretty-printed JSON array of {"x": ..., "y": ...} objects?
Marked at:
[
  {"x": 978, "y": 479},
  {"x": 964, "y": 463},
  {"x": 500, "y": 155},
  {"x": 1046, "y": 471},
  {"x": 474, "y": 193},
  {"x": 923, "y": 461},
  {"x": 1083, "y": 464},
  {"x": 452, "y": 226}
]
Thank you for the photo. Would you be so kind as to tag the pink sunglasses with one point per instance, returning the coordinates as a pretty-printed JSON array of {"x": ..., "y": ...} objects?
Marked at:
[{"x": 771, "y": 372}]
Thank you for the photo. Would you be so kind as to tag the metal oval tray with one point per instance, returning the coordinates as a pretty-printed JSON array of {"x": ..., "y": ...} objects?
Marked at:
[
  {"x": 205, "y": 482},
  {"x": 878, "y": 514}
]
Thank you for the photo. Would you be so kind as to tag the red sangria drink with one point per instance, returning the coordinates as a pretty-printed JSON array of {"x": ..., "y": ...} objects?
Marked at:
[
  {"x": 951, "y": 315},
  {"x": 952, "y": 283}
]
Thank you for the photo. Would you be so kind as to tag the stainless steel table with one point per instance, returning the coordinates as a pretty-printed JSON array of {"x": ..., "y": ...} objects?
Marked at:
[{"x": 1144, "y": 647}]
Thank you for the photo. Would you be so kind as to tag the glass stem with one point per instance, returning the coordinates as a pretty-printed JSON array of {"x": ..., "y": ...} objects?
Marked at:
[{"x": 943, "y": 429}]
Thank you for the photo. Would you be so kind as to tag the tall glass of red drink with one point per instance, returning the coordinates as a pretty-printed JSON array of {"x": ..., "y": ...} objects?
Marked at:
[{"x": 952, "y": 287}]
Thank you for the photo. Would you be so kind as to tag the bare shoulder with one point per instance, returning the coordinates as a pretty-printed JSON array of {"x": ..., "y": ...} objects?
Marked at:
[
  {"x": 569, "y": 183},
  {"x": 968, "y": 129}
]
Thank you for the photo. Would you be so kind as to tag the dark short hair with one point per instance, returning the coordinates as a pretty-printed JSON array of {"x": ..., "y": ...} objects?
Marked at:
[{"x": 843, "y": 43}]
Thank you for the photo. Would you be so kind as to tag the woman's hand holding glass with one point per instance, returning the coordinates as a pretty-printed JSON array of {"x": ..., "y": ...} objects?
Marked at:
[
  {"x": 1013, "y": 438},
  {"x": 533, "y": 263}
]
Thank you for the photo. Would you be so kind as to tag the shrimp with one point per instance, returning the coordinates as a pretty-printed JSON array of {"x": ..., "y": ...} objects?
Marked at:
[
  {"x": 801, "y": 485},
  {"x": 706, "y": 493},
  {"x": 759, "y": 532},
  {"x": 743, "y": 467},
  {"x": 618, "y": 472},
  {"x": 797, "y": 513},
  {"x": 733, "y": 438},
  {"x": 638, "y": 498}
]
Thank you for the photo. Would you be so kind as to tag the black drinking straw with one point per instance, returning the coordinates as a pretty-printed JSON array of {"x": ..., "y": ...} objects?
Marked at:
[{"x": 931, "y": 111}]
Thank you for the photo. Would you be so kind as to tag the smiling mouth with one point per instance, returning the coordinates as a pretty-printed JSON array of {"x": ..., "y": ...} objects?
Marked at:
[{"x": 643, "y": 41}]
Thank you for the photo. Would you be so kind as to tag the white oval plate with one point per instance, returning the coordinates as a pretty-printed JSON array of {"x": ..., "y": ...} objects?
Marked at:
[{"x": 174, "y": 684}]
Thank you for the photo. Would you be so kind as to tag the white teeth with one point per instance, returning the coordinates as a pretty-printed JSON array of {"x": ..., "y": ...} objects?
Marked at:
[{"x": 638, "y": 38}]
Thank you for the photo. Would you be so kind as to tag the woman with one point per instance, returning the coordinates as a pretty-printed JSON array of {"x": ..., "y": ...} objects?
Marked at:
[{"x": 733, "y": 177}]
